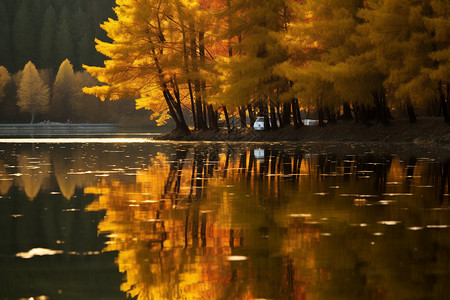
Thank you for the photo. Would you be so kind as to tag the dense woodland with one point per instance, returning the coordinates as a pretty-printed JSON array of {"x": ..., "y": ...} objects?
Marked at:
[
  {"x": 206, "y": 61},
  {"x": 47, "y": 32}
]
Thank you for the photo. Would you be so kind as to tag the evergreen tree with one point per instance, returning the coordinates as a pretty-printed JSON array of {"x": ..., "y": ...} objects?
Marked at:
[
  {"x": 5, "y": 37},
  {"x": 64, "y": 44},
  {"x": 83, "y": 39},
  {"x": 47, "y": 40},
  {"x": 23, "y": 35},
  {"x": 33, "y": 94}
]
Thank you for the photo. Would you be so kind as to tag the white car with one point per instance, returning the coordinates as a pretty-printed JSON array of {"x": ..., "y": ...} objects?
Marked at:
[
  {"x": 309, "y": 122},
  {"x": 259, "y": 123}
]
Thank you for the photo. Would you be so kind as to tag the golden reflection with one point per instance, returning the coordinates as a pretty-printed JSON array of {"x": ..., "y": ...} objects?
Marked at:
[
  {"x": 222, "y": 224},
  {"x": 179, "y": 227},
  {"x": 34, "y": 173},
  {"x": 5, "y": 179},
  {"x": 71, "y": 173},
  {"x": 157, "y": 229}
]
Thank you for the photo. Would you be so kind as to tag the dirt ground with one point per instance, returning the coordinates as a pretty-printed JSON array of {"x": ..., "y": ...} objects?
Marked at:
[{"x": 432, "y": 131}]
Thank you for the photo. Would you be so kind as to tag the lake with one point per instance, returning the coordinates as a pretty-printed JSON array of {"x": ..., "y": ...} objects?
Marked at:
[{"x": 120, "y": 218}]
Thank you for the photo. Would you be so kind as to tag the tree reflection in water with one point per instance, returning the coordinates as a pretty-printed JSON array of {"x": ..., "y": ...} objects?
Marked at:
[{"x": 221, "y": 223}]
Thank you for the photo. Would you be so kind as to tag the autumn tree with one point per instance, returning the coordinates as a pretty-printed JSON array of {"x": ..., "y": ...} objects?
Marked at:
[
  {"x": 33, "y": 94},
  {"x": 438, "y": 26},
  {"x": 145, "y": 57},
  {"x": 5, "y": 79},
  {"x": 248, "y": 75},
  {"x": 66, "y": 91}
]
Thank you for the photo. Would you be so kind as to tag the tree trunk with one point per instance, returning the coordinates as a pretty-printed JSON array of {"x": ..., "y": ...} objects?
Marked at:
[
  {"x": 411, "y": 114},
  {"x": 443, "y": 102},
  {"x": 363, "y": 116},
  {"x": 296, "y": 113},
  {"x": 177, "y": 106},
  {"x": 381, "y": 109},
  {"x": 242, "y": 116},
  {"x": 347, "y": 112},
  {"x": 186, "y": 67},
  {"x": 212, "y": 118},
  {"x": 273, "y": 118},
  {"x": 330, "y": 113},
  {"x": 200, "y": 121},
  {"x": 176, "y": 113},
  {"x": 172, "y": 112},
  {"x": 251, "y": 114},
  {"x": 279, "y": 117},
  {"x": 286, "y": 115},
  {"x": 171, "y": 103},
  {"x": 227, "y": 119},
  {"x": 321, "y": 115}
]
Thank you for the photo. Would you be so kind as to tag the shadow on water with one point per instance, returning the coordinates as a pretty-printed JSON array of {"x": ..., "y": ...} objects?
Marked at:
[{"x": 218, "y": 221}]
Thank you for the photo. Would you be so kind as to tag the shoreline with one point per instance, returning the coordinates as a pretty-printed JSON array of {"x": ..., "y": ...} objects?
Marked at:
[{"x": 427, "y": 132}]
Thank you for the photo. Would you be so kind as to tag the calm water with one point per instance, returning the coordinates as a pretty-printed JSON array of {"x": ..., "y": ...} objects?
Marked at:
[{"x": 215, "y": 221}]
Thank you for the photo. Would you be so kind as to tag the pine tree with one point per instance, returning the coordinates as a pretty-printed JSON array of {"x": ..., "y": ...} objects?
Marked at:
[
  {"x": 23, "y": 35},
  {"x": 64, "y": 43},
  {"x": 47, "y": 40},
  {"x": 33, "y": 94},
  {"x": 5, "y": 37}
]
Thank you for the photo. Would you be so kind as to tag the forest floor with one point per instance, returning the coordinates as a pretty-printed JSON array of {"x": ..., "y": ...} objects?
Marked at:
[{"x": 430, "y": 131}]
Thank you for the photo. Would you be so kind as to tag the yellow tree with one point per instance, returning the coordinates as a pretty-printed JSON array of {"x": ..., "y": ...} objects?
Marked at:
[
  {"x": 5, "y": 78},
  {"x": 318, "y": 41},
  {"x": 33, "y": 94},
  {"x": 146, "y": 55},
  {"x": 247, "y": 76},
  {"x": 65, "y": 90},
  {"x": 438, "y": 25}
]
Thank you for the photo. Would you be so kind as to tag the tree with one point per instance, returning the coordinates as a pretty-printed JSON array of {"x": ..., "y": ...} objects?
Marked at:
[
  {"x": 66, "y": 91},
  {"x": 64, "y": 44},
  {"x": 144, "y": 57},
  {"x": 248, "y": 76},
  {"x": 47, "y": 39},
  {"x": 5, "y": 79},
  {"x": 33, "y": 94},
  {"x": 23, "y": 35},
  {"x": 438, "y": 26},
  {"x": 5, "y": 38}
]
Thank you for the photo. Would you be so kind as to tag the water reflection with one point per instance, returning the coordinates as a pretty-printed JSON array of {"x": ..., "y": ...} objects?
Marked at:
[
  {"x": 226, "y": 223},
  {"x": 230, "y": 222}
]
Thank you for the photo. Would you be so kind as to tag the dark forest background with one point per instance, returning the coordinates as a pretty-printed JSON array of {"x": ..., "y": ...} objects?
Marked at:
[{"x": 47, "y": 32}]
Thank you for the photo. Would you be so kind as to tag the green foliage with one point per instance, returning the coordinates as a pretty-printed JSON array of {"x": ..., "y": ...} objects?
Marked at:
[
  {"x": 5, "y": 34},
  {"x": 28, "y": 31},
  {"x": 47, "y": 42},
  {"x": 23, "y": 40},
  {"x": 64, "y": 44}
]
